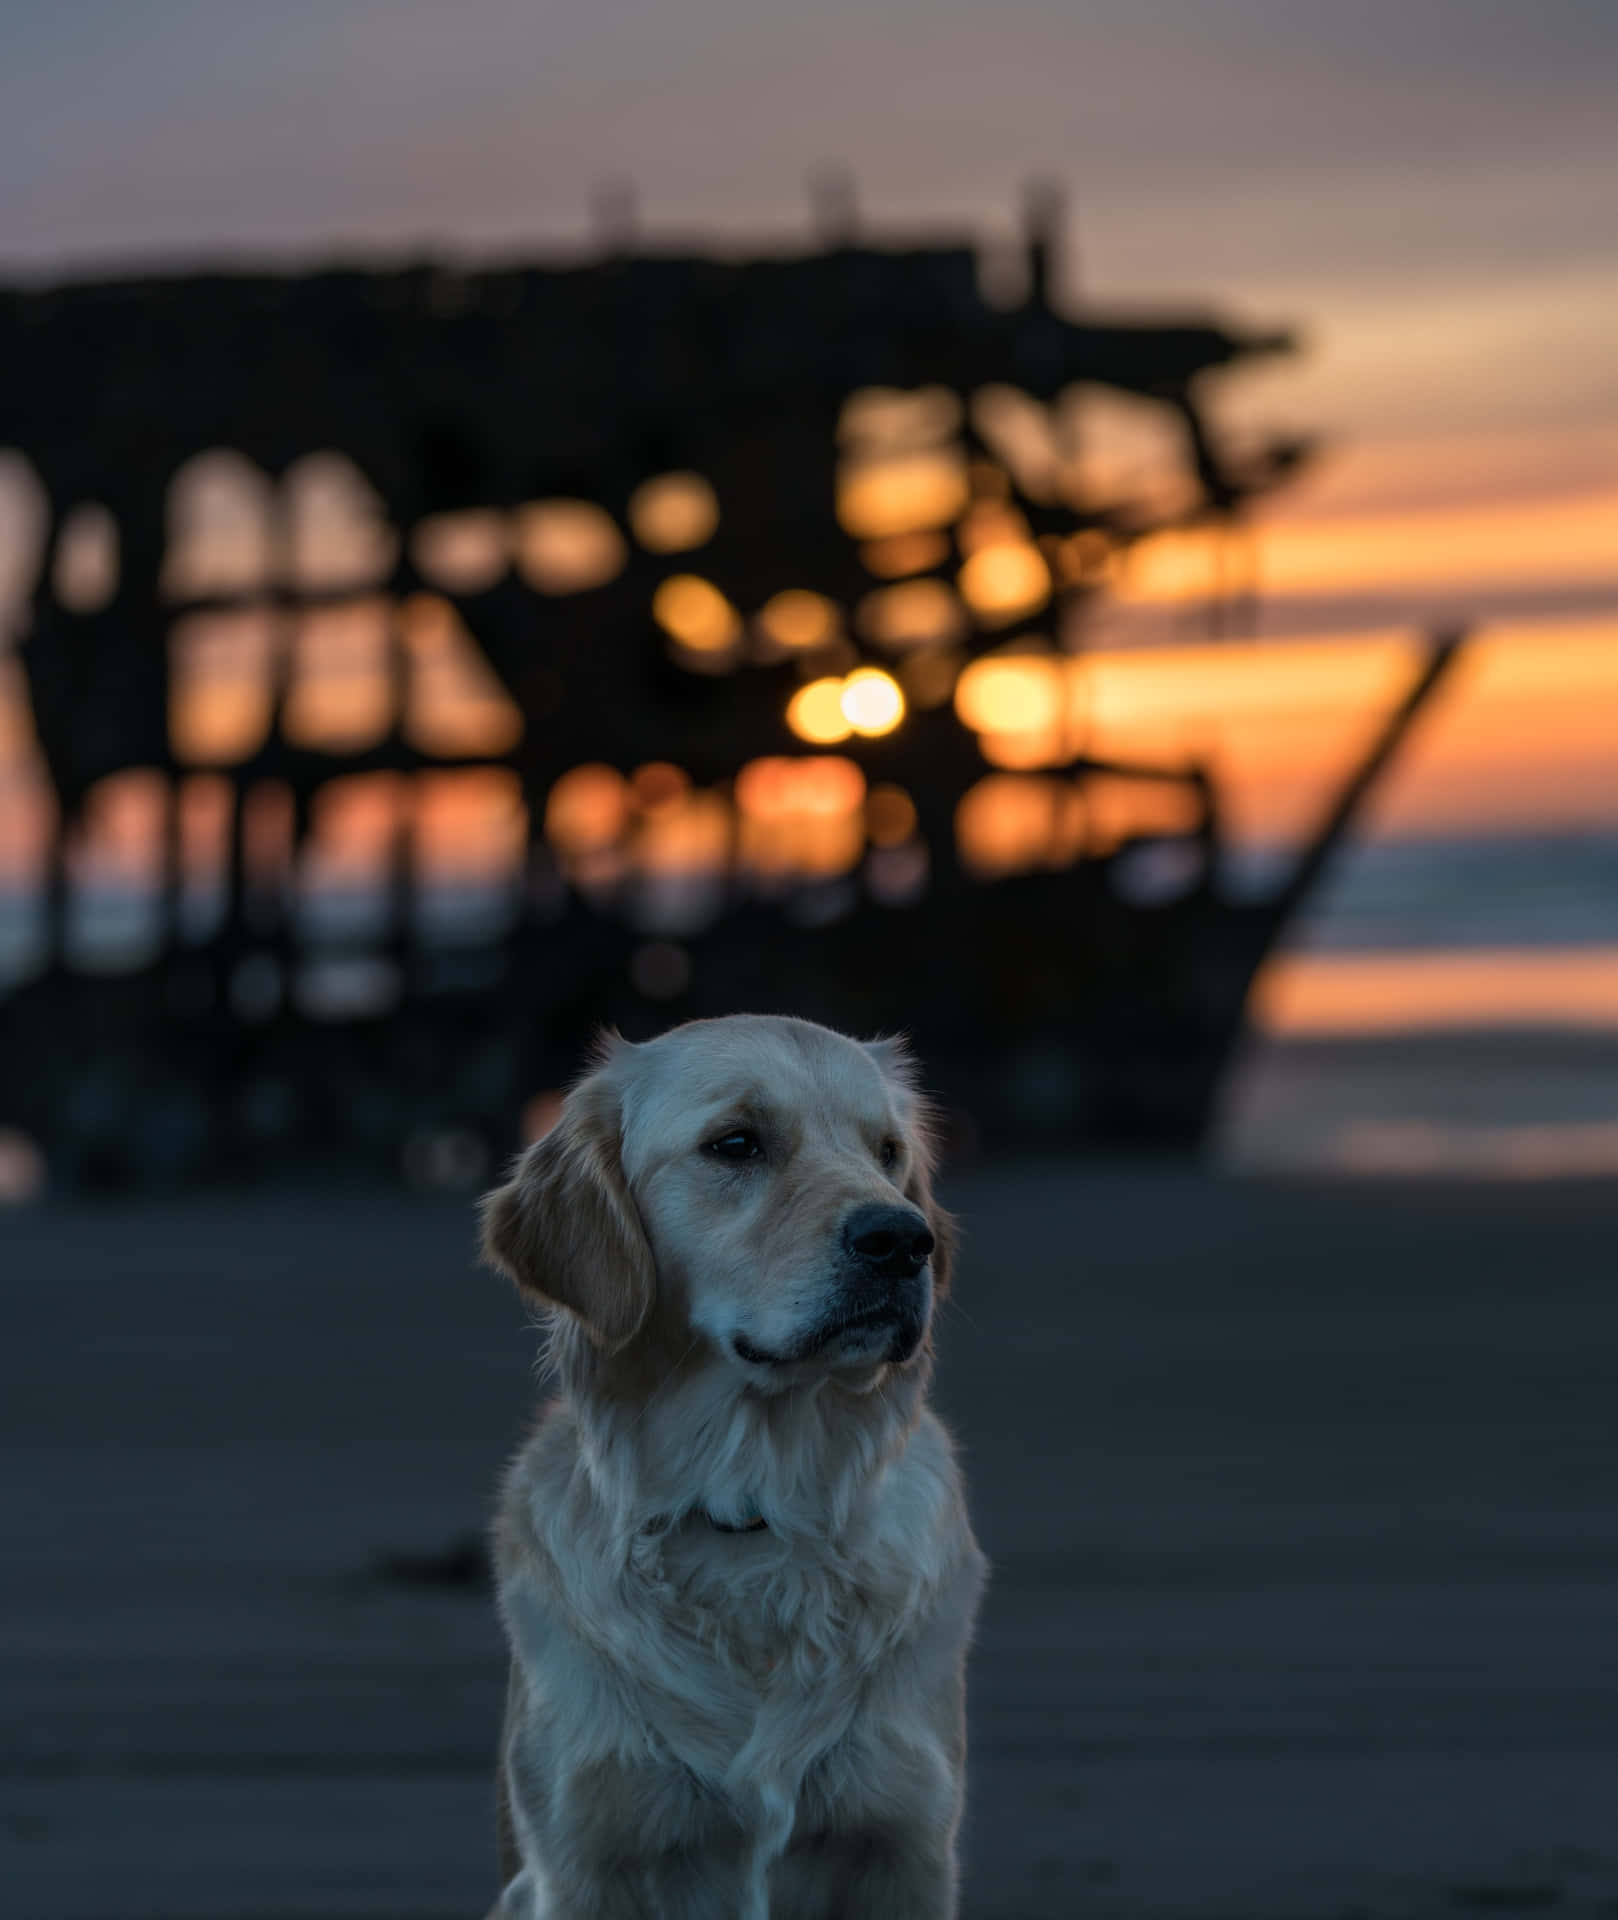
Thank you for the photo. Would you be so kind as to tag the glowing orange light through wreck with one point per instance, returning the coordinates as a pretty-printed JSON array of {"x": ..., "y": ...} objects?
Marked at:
[
  {"x": 464, "y": 552},
  {"x": 799, "y": 620},
  {"x": 1004, "y": 582},
  {"x": 221, "y": 527},
  {"x": 774, "y": 787},
  {"x": 85, "y": 571},
  {"x": 688, "y": 835},
  {"x": 469, "y": 823},
  {"x": 341, "y": 696},
  {"x": 991, "y": 523},
  {"x": 1012, "y": 693},
  {"x": 918, "y": 613},
  {"x": 815, "y": 713},
  {"x": 693, "y": 612},
  {"x": 890, "y": 815},
  {"x": 674, "y": 512},
  {"x": 588, "y": 809},
  {"x": 1014, "y": 822},
  {"x": 659, "y": 785},
  {"x": 567, "y": 546},
  {"x": 802, "y": 816},
  {"x": 221, "y": 700},
  {"x": 879, "y": 499},
  {"x": 453, "y": 702},
  {"x": 353, "y": 824},
  {"x": 871, "y": 701},
  {"x": 904, "y": 553}
]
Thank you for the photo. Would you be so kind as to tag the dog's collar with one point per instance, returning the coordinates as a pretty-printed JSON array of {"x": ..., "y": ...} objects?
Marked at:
[{"x": 661, "y": 1522}]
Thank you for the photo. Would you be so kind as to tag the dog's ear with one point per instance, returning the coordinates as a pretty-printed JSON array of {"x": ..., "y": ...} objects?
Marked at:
[
  {"x": 892, "y": 1054},
  {"x": 565, "y": 1226}
]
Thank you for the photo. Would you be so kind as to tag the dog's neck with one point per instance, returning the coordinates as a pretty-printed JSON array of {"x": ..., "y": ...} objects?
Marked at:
[{"x": 667, "y": 1434}]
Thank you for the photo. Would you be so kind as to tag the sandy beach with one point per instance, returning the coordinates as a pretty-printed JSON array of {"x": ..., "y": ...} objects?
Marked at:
[
  {"x": 1508, "y": 1104},
  {"x": 1302, "y": 1503}
]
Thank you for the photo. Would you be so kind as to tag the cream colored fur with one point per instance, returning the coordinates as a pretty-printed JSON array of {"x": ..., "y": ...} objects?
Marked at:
[{"x": 711, "y": 1725}]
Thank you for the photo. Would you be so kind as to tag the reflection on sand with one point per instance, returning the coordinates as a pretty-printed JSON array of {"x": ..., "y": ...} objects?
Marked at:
[
  {"x": 1307, "y": 995},
  {"x": 1417, "y": 1149}
]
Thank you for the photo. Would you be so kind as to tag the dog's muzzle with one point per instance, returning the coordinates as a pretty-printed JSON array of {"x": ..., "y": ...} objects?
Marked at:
[
  {"x": 883, "y": 1288},
  {"x": 887, "y": 1243}
]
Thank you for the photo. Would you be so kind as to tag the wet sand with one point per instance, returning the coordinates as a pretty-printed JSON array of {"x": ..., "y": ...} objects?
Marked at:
[
  {"x": 1509, "y": 1103},
  {"x": 1303, "y": 1504}
]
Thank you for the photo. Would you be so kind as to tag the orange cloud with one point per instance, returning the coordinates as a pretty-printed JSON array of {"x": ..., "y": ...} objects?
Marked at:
[
  {"x": 1545, "y": 544},
  {"x": 1523, "y": 736}
]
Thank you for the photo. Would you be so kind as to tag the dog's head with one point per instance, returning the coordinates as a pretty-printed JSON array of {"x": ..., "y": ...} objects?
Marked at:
[{"x": 764, "y": 1183}]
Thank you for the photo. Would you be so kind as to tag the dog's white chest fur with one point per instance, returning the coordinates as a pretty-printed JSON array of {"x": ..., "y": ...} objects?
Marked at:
[
  {"x": 776, "y": 1639},
  {"x": 756, "y": 1682}
]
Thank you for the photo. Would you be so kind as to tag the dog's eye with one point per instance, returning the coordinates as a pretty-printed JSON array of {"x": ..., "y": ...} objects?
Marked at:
[
  {"x": 888, "y": 1153},
  {"x": 742, "y": 1144}
]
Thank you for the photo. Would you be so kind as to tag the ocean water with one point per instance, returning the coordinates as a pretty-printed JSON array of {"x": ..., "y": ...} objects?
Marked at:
[
  {"x": 1384, "y": 896},
  {"x": 1517, "y": 1094},
  {"x": 1550, "y": 890},
  {"x": 1526, "y": 1092}
]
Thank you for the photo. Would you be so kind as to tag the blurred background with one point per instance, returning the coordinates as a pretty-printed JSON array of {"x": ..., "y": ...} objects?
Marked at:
[{"x": 1088, "y": 535}]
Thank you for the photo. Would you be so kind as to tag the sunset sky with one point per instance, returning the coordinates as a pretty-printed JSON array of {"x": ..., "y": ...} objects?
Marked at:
[{"x": 1426, "y": 189}]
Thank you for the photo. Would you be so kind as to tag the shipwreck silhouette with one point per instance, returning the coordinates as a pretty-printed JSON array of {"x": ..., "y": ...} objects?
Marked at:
[{"x": 605, "y": 528}]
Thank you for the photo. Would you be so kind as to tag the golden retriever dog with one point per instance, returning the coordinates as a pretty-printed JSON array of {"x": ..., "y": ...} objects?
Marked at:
[{"x": 734, "y": 1561}]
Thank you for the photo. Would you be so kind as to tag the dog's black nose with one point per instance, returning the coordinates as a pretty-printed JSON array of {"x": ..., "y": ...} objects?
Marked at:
[{"x": 891, "y": 1241}]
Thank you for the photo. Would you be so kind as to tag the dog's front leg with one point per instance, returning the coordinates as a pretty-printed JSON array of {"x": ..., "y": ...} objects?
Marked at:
[
  {"x": 881, "y": 1874},
  {"x": 676, "y": 1888},
  {"x": 605, "y": 1872}
]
